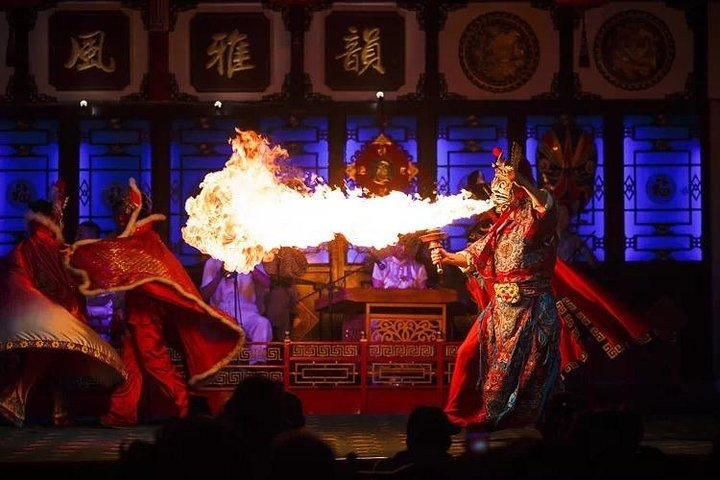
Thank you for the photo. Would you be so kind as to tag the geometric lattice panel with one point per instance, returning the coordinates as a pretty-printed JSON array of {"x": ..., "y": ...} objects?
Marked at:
[
  {"x": 323, "y": 373},
  {"x": 324, "y": 351},
  {"x": 28, "y": 168},
  {"x": 111, "y": 151},
  {"x": 395, "y": 373},
  {"x": 464, "y": 145},
  {"x": 663, "y": 188},
  {"x": 389, "y": 350},
  {"x": 306, "y": 141},
  {"x": 199, "y": 146}
]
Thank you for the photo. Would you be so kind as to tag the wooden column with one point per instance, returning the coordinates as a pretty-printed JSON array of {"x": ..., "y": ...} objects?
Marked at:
[
  {"x": 160, "y": 138},
  {"x": 564, "y": 22},
  {"x": 296, "y": 21},
  {"x": 711, "y": 172},
  {"x": 712, "y": 247},
  {"x": 20, "y": 21},
  {"x": 613, "y": 130},
  {"x": 158, "y": 82},
  {"x": 158, "y": 50},
  {"x": 69, "y": 171},
  {"x": 427, "y": 118},
  {"x": 337, "y": 135}
]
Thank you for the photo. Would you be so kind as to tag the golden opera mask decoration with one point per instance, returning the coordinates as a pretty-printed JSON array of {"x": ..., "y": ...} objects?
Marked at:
[
  {"x": 567, "y": 160},
  {"x": 382, "y": 166}
]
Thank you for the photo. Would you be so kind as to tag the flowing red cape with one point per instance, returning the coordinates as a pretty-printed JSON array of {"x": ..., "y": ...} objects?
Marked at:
[
  {"x": 209, "y": 337},
  {"x": 584, "y": 307}
]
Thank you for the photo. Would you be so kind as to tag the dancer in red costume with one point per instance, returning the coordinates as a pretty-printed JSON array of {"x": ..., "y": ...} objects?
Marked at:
[
  {"x": 584, "y": 308},
  {"x": 512, "y": 352},
  {"x": 42, "y": 317},
  {"x": 158, "y": 293}
]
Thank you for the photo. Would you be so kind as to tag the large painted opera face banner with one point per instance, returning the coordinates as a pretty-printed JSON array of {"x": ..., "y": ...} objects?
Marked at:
[
  {"x": 230, "y": 52},
  {"x": 364, "y": 51},
  {"x": 89, "y": 50},
  {"x": 567, "y": 161}
]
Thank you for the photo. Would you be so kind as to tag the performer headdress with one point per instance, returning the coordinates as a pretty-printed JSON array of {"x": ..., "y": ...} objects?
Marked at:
[
  {"x": 133, "y": 201},
  {"x": 55, "y": 208},
  {"x": 502, "y": 184}
]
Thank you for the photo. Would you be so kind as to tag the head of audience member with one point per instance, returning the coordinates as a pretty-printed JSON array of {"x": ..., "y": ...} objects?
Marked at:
[
  {"x": 256, "y": 409},
  {"x": 198, "y": 447},
  {"x": 608, "y": 435},
  {"x": 301, "y": 454},
  {"x": 294, "y": 415},
  {"x": 87, "y": 230},
  {"x": 137, "y": 458},
  {"x": 560, "y": 416},
  {"x": 429, "y": 430},
  {"x": 198, "y": 406}
]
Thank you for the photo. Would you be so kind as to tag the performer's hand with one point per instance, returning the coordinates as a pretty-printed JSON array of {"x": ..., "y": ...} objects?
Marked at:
[
  {"x": 439, "y": 255},
  {"x": 442, "y": 256}
]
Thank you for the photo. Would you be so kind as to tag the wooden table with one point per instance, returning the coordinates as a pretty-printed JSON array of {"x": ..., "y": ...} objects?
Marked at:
[{"x": 394, "y": 315}]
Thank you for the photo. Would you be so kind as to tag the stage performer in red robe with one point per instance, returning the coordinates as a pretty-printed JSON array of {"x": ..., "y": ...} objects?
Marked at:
[
  {"x": 42, "y": 319},
  {"x": 586, "y": 309},
  {"x": 158, "y": 294},
  {"x": 509, "y": 363}
]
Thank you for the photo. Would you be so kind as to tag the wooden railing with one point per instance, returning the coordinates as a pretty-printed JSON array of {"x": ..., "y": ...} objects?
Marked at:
[{"x": 348, "y": 377}]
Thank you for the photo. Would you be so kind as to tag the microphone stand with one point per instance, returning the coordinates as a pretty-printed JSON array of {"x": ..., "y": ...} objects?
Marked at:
[{"x": 236, "y": 295}]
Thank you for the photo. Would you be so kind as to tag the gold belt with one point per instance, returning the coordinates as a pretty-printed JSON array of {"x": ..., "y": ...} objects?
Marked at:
[
  {"x": 511, "y": 292},
  {"x": 507, "y": 292}
]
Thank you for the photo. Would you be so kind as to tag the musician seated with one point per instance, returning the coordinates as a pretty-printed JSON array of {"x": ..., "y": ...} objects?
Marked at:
[{"x": 400, "y": 269}]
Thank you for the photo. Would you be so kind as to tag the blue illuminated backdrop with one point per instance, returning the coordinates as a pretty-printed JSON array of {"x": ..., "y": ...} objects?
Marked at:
[
  {"x": 199, "y": 146},
  {"x": 464, "y": 145},
  {"x": 306, "y": 140},
  {"x": 663, "y": 188},
  {"x": 28, "y": 168},
  {"x": 111, "y": 151}
]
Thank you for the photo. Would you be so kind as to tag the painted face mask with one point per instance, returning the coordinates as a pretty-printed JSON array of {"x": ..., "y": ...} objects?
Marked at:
[{"x": 501, "y": 186}]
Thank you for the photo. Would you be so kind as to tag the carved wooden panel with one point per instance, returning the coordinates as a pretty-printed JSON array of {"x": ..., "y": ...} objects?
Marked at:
[
  {"x": 250, "y": 40},
  {"x": 498, "y": 50},
  {"x": 352, "y": 52},
  {"x": 637, "y": 50},
  {"x": 97, "y": 53}
]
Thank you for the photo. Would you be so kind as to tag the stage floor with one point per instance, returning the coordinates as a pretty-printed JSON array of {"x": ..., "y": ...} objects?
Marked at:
[{"x": 366, "y": 435}]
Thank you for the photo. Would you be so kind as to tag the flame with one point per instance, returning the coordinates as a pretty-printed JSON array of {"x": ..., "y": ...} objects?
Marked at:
[{"x": 243, "y": 212}]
